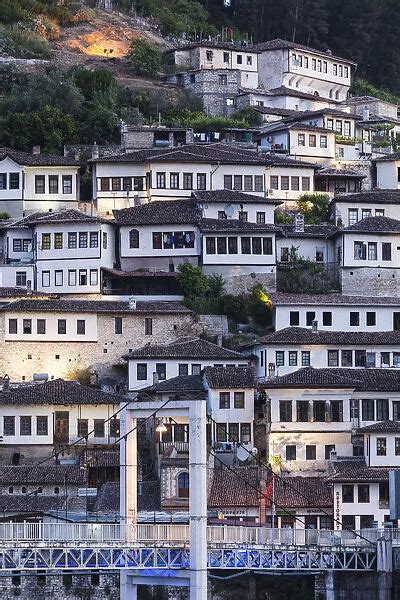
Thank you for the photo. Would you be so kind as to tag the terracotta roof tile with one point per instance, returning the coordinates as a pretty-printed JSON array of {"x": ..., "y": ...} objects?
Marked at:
[
  {"x": 303, "y": 335},
  {"x": 355, "y": 470},
  {"x": 96, "y": 306},
  {"x": 331, "y": 299},
  {"x": 374, "y": 225},
  {"x": 373, "y": 197},
  {"x": 381, "y": 426},
  {"x": 43, "y": 474},
  {"x": 185, "y": 348},
  {"x": 234, "y": 487},
  {"x": 24, "y": 158},
  {"x": 164, "y": 212},
  {"x": 302, "y": 492},
  {"x": 56, "y": 391},
  {"x": 230, "y": 377}
]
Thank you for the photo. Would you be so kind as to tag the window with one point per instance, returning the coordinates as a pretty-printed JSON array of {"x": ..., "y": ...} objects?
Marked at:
[
  {"x": 314, "y": 64},
  {"x": 93, "y": 275},
  {"x": 115, "y": 428},
  {"x": 243, "y": 216},
  {"x": 13, "y": 181},
  {"x": 354, "y": 319},
  {"x": 53, "y": 184},
  {"x": 160, "y": 180},
  {"x": 245, "y": 244},
  {"x": 196, "y": 369},
  {"x": 323, "y": 141},
  {"x": 226, "y": 57},
  {"x": 133, "y": 238},
  {"x": 294, "y": 317},
  {"x": 360, "y": 358},
  {"x": 67, "y": 184},
  {"x": 94, "y": 239},
  {"x": 295, "y": 183},
  {"x": 347, "y": 493},
  {"x": 319, "y": 64},
  {"x": 228, "y": 182},
  {"x": 284, "y": 182},
  {"x": 27, "y": 326},
  {"x": 98, "y": 427},
  {"x": 274, "y": 182},
  {"x": 45, "y": 278},
  {"x": 280, "y": 358},
  {"x": 115, "y": 184},
  {"x": 302, "y": 411},
  {"x": 319, "y": 411},
  {"x": 301, "y": 139},
  {"x": 381, "y": 446},
  {"x": 232, "y": 245},
  {"x": 221, "y": 245},
  {"x": 371, "y": 319},
  {"x": 290, "y": 452},
  {"x": 141, "y": 371},
  {"x": 12, "y": 326},
  {"x": 248, "y": 183},
  {"x": 174, "y": 181},
  {"x": 363, "y": 493},
  {"x": 311, "y": 452},
  {"x": 260, "y": 217},
  {"x": 337, "y": 411},
  {"x": 312, "y": 140},
  {"x": 46, "y": 241},
  {"x": 41, "y": 326},
  {"x": 347, "y": 358},
  {"x": 368, "y": 410},
  {"x": 372, "y": 251},
  {"x": 39, "y": 184},
  {"x": 224, "y": 400},
  {"x": 386, "y": 251},
  {"x": 338, "y": 127},
  {"x": 83, "y": 427},
  {"x": 71, "y": 277},
  {"x": 237, "y": 182},
  {"x": 239, "y": 59},
  {"x": 305, "y": 358},
  {"x": 148, "y": 326},
  {"x": 397, "y": 446},
  {"x": 188, "y": 181},
  {"x": 256, "y": 245},
  {"x": 310, "y": 317},
  {"x": 328, "y": 449},
  {"x": 305, "y": 184},
  {"x": 238, "y": 400},
  {"x": 284, "y": 254},
  {"x": 292, "y": 358},
  {"x": 161, "y": 370},
  {"x": 82, "y": 277},
  {"x": 327, "y": 318},
  {"x": 183, "y": 369},
  {"x": 382, "y": 409},
  {"x": 258, "y": 183},
  {"x": 58, "y": 278},
  {"x": 183, "y": 485},
  {"x": 42, "y": 427},
  {"x": 80, "y": 327},
  {"x": 72, "y": 240},
  {"x": 222, "y": 79},
  {"x": 353, "y": 217},
  {"x": 20, "y": 278},
  {"x": 8, "y": 425},
  {"x": 201, "y": 181},
  {"x": 210, "y": 245},
  {"x": 285, "y": 411},
  {"x": 25, "y": 426},
  {"x": 118, "y": 325},
  {"x": 83, "y": 239}
]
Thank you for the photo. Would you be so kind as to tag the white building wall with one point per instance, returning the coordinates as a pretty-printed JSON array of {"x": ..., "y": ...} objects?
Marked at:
[
  {"x": 387, "y": 176},
  {"x": 341, "y": 210},
  {"x": 358, "y": 508},
  {"x": 146, "y": 241},
  {"x": 51, "y": 334}
]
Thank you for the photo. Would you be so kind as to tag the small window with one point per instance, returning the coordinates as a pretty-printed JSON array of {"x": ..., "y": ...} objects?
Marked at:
[
  {"x": 41, "y": 326},
  {"x": 226, "y": 57},
  {"x": 354, "y": 319},
  {"x": 98, "y": 427},
  {"x": 42, "y": 426},
  {"x": 363, "y": 493},
  {"x": 280, "y": 358},
  {"x": 72, "y": 278},
  {"x": 58, "y": 278},
  {"x": 310, "y": 317},
  {"x": 238, "y": 400},
  {"x": 285, "y": 411},
  {"x": 93, "y": 275},
  {"x": 14, "y": 181},
  {"x": 94, "y": 239},
  {"x": 224, "y": 400},
  {"x": 201, "y": 181},
  {"x": 284, "y": 182},
  {"x": 20, "y": 279},
  {"x": 183, "y": 485},
  {"x": 386, "y": 251},
  {"x": 312, "y": 140},
  {"x": 161, "y": 370},
  {"x": 381, "y": 446},
  {"x": 292, "y": 358},
  {"x": 196, "y": 369},
  {"x": 305, "y": 184},
  {"x": 311, "y": 452},
  {"x": 260, "y": 217},
  {"x": 39, "y": 184},
  {"x": 327, "y": 318},
  {"x": 83, "y": 239},
  {"x": 305, "y": 358},
  {"x": 148, "y": 326},
  {"x": 83, "y": 428},
  {"x": 141, "y": 371},
  {"x": 134, "y": 238},
  {"x": 290, "y": 452},
  {"x": 274, "y": 182},
  {"x": 62, "y": 326},
  {"x": 210, "y": 245},
  {"x": 183, "y": 369},
  {"x": 67, "y": 184},
  {"x": 347, "y": 493},
  {"x": 328, "y": 449},
  {"x": 294, "y": 317},
  {"x": 25, "y": 426},
  {"x": 80, "y": 327},
  {"x": 347, "y": 358},
  {"x": 27, "y": 326},
  {"x": 53, "y": 184},
  {"x": 46, "y": 241},
  {"x": 9, "y": 426},
  {"x": 72, "y": 239},
  {"x": 56, "y": 490},
  {"x": 82, "y": 277},
  {"x": 118, "y": 325},
  {"x": 371, "y": 319}
]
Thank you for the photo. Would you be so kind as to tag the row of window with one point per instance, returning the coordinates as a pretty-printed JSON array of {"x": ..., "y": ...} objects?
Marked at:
[
  {"x": 290, "y": 183},
  {"x": 342, "y": 128},
  {"x": 75, "y": 277},
  {"x": 243, "y": 215},
  {"x": 227, "y": 55},
  {"x": 354, "y": 318},
  {"x": 42, "y": 426},
  {"x": 9, "y": 181},
  {"x": 229, "y": 245},
  {"x": 318, "y": 411},
  {"x": 246, "y": 183},
  {"x": 53, "y": 184},
  {"x": 312, "y": 140},
  {"x": 176, "y": 182},
  {"x": 319, "y": 254},
  {"x": 319, "y": 65},
  {"x": 362, "y": 358},
  {"x": 83, "y": 239},
  {"x": 118, "y": 184},
  {"x": 225, "y": 400},
  {"x": 364, "y": 212},
  {"x": 161, "y": 369},
  {"x": 362, "y": 492},
  {"x": 27, "y": 328},
  {"x": 232, "y": 432},
  {"x": 369, "y": 251},
  {"x": 311, "y": 452},
  {"x": 169, "y": 240}
]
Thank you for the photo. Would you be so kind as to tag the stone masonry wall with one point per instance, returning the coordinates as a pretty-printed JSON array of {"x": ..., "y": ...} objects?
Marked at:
[
  {"x": 378, "y": 281},
  {"x": 65, "y": 587}
]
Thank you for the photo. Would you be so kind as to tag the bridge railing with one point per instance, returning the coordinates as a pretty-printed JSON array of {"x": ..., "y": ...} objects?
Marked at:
[{"x": 96, "y": 534}]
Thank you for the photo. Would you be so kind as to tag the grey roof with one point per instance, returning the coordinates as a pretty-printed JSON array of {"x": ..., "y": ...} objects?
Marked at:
[
  {"x": 213, "y": 44},
  {"x": 302, "y": 492},
  {"x": 70, "y": 215},
  {"x": 160, "y": 212},
  {"x": 230, "y": 377},
  {"x": 388, "y": 157},
  {"x": 355, "y": 470},
  {"x": 303, "y": 335},
  {"x": 41, "y": 160},
  {"x": 296, "y": 126},
  {"x": 185, "y": 385},
  {"x": 374, "y": 197},
  {"x": 283, "y": 299},
  {"x": 371, "y": 380},
  {"x": 185, "y": 348},
  {"x": 341, "y": 173},
  {"x": 324, "y": 230},
  {"x": 381, "y": 426},
  {"x": 236, "y": 225},
  {"x": 39, "y": 503},
  {"x": 43, "y": 474},
  {"x": 15, "y": 292},
  {"x": 295, "y": 93},
  {"x": 335, "y": 112},
  {"x": 56, "y": 391},
  {"x": 279, "y": 44},
  {"x": 236, "y": 486},
  {"x": 233, "y": 197},
  {"x": 374, "y": 225},
  {"x": 95, "y": 306}
]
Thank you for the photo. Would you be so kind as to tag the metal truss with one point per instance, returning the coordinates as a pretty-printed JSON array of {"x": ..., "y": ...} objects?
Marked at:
[{"x": 84, "y": 558}]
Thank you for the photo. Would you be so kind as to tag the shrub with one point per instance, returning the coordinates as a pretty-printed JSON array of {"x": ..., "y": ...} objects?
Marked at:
[
  {"x": 192, "y": 280},
  {"x": 145, "y": 58}
]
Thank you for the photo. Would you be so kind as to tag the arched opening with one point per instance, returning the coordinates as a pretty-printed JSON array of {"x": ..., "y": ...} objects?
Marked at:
[{"x": 183, "y": 485}]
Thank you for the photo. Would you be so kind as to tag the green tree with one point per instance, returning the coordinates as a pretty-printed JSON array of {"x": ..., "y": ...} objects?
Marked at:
[
  {"x": 216, "y": 286},
  {"x": 314, "y": 207},
  {"x": 145, "y": 58},
  {"x": 192, "y": 280}
]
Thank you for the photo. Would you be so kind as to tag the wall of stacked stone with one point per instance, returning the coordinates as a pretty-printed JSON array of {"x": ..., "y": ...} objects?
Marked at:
[
  {"x": 378, "y": 281},
  {"x": 67, "y": 587}
]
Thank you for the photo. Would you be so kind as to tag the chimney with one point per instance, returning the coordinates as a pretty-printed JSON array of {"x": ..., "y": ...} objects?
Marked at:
[
  {"x": 365, "y": 113},
  {"x": 299, "y": 223},
  {"x": 333, "y": 455},
  {"x": 271, "y": 370},
  {"x": 95, "y": 151},
  {"x": 6, "y": 382},
  {"x": 314, "y": 326},
  {"x": 155, "y": 377},
  {"x": 36, "y": 150},
  {"x": 132, "y": 303},
  {"x": 29, "y": 287}
]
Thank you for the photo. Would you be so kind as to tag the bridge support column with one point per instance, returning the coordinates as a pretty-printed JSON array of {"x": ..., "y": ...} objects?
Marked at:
[
  {"x": 128, "y": 471},
  {"x": 198, "y": 500},
  {"x": 329, "y": 586},
  {"x": 128, "y": 590},
  {"x": 384, "y": 558}
]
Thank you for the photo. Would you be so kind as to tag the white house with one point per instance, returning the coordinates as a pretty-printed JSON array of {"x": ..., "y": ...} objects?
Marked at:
[
  {"x": 350, "y": 208},
  {"x": 233, "y": 204},
  {"x": 299, "y": 140},
  {"x": 312, "y": 242},
  {"x": 37, "y": 182},
  {"x": 388, "y": 172}
]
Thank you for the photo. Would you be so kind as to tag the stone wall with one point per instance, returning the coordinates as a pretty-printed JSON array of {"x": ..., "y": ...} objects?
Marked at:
[
  {"x": 65, "y": 587},
  {"x": 378, "y": 281},
  {"x": 213, "y": 325},
  {"x": 212, "y": 93},
  {"x": 240, "y": 279}
]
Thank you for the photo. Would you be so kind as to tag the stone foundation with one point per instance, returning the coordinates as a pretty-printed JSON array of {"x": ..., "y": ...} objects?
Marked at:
[
  {"x": 98, "y": 586},
  {"x": 378, "y": 281}
]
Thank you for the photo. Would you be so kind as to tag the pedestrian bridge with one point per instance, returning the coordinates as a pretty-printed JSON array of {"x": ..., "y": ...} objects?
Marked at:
[{"x": 83, "y": 546}]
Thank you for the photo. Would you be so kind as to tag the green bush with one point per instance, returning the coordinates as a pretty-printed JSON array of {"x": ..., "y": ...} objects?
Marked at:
[{"x": 145, "y": 58}]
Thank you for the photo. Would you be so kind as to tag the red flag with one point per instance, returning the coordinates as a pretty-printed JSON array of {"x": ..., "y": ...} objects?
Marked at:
[{"x": 269, "y": 488}]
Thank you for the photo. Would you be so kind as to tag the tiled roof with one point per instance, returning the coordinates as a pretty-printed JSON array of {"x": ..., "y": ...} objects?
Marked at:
[
  {"x": 334, "y": 112},
  {"x": 273, "y": 110},
  {"x": 388, "y": 157},
  {"x": 70, "y": 215},
  {"x": 374, "y": 225},
  {"x": 212, "y": 44},
  {"x": 234, "y": 487},
  {"x": 205, "y": 153},
  {"x": 165, "y": 212},
  {"x": 296, "y": 126},
  {"x": 283, "y": 299},
  {"x": 341, "y": 173},
  {"x": 100, "y": 458},
  {"x": 302, "y": 492},
  {"x": 285, "y": 91},
  {"x": 381, "y": 426},
  {"x": 232, "y": 197},
  {"x": 108, "y": 497},
  {"x": 10, "y": 292},
  {"x": 185, "y": 348},
  {"x": 356, "y": 470},
  {"x": 56, "y": 391},
  {"x": 324, "y": 230},
  {"x": 41, "y": 160},
  {"x": 230, "y": 377},
  {"x": 181, "y": 385},
  {"x": 43, "y": 474},
  {"x": 303, "y": 335},
  {"x": 279, "y": 44},
  {"x": 372, "y": 380},
  {"x": 39, "y": 503},
  {"x": 375, "y": 197},
  {"x": 235, "y": 225},
  {"x": 95, "y": 306}
]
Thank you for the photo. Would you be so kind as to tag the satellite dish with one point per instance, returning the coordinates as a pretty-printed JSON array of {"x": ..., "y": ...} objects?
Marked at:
[
  {"x": 229, "y": 210},
  {"x": 242, "y": 454}
]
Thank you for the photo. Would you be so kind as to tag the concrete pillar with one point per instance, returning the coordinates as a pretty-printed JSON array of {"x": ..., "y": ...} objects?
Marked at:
[
  {"x": 198, "y": 499},
  {"x": 329, "y": 586},
  {"x": 128, "y": 590},
  {"x": 384, "y": 564},
  {"x": 252, "y": 594},
  {"x": 128, "y": 474}
]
